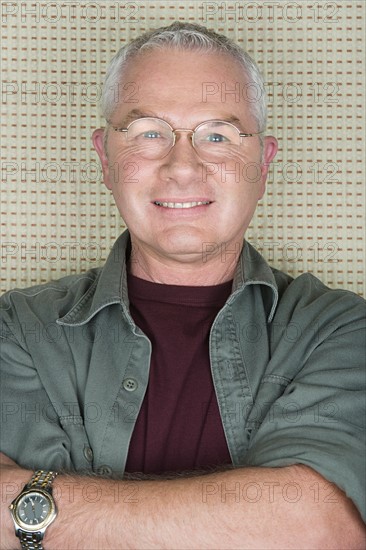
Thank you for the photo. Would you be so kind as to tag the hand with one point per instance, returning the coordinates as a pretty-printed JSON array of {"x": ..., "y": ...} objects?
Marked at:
[{"x": 12, "y": 480}]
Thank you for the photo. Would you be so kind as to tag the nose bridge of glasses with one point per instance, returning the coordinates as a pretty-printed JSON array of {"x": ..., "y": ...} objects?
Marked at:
[
  {"x": 186, "y": 130},
  {"x": 190, "y": 133},
  {"x": 182, "y": 130}
]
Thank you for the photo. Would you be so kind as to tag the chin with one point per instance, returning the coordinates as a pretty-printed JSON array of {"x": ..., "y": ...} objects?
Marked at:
[
  {"x": 181, "y": 243},
  {"x": 182, "y": 249}
]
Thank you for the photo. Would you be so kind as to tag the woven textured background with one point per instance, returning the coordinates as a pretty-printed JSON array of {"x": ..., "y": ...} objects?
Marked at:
[{"x": 57, "y": 217}]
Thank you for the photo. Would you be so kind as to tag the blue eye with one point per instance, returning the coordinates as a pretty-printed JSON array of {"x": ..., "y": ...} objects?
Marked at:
[
  {"x": 151, "y": 134},
  {"x": 216, "y": 138}
]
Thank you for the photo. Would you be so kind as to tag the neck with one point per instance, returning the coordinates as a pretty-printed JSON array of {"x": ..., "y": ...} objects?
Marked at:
[{"x": 213, "y": 270}]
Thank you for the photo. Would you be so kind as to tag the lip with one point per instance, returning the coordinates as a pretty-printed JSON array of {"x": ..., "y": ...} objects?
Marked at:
[
  {"x": 182, "y": 211},
  {"x": 185, "y": 199}
]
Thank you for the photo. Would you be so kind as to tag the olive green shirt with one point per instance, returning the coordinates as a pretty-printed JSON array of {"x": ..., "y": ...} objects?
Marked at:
[{"x": 287, "y": 359}]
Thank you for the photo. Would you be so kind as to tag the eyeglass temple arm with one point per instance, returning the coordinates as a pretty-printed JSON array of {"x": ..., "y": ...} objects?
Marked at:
[
  {"x": 119, "y": 129},
  {"x": 250, "y": 135}
]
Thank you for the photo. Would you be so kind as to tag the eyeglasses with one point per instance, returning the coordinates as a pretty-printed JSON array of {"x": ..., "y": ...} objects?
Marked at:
[{"x": 153, "y": 138}]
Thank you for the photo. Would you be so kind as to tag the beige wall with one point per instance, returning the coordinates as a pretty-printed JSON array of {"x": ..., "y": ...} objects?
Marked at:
[{"x": 56, "y": 216}]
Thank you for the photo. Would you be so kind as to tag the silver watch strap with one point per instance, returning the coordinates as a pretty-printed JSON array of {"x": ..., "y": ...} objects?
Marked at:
[
  {"x": 30, "y": 541},
  {"x": 41, "y": 479}
]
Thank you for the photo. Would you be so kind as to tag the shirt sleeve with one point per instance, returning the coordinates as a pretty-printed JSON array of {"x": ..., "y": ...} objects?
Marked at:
[
  {"x": 319, "y": 420},
  {"x": 31, "y": 431}
]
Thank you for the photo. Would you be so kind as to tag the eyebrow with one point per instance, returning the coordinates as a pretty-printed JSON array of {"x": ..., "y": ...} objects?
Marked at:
[
  {"x": 135, "y": 114},
  {"x": 232, "y": 119}
]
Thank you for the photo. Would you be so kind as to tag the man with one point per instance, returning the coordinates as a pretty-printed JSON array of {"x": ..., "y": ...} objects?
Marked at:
[{"x": 173, "y": 359}]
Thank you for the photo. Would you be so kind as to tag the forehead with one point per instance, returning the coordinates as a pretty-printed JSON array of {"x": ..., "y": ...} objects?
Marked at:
[{"x": 182, "y": 81}]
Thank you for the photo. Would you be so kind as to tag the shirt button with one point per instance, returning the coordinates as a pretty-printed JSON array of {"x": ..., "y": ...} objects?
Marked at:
[
  {"x": 129, "y": 384},
  {"x": 104, "y": 470},
  {"x": 88, "y": 453}
]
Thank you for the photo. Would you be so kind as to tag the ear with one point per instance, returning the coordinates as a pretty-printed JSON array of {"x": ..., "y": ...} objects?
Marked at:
[
  {"x": 270, "y": 148},
  {"x": 98, "y": 142}
]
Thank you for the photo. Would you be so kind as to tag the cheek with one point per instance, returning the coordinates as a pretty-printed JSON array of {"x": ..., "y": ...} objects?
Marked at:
[
  {"x": 244, "y": 167},
  {"x": 123, "y": 169},
  {"x": 240, "y": 181},
  {"x": 131, "y": 187}
]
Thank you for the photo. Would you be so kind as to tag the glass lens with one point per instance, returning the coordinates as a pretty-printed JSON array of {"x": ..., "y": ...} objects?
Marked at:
[
  {"x": 215, "y": 139},
  {"x": 150, "y": 137}
]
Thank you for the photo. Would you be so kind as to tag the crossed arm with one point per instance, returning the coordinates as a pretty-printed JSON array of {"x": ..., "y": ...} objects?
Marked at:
[{"x": 289, "y": 507}]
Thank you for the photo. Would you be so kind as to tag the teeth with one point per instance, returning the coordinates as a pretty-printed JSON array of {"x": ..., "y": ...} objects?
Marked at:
[{"x": 181, "y": 204}]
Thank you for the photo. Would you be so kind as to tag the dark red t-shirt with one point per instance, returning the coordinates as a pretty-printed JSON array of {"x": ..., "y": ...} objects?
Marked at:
[{"x": 179, "y": 425}]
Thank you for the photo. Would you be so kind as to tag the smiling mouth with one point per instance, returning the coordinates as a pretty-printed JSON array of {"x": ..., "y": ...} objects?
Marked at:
[{"x": 181, "y": 204}]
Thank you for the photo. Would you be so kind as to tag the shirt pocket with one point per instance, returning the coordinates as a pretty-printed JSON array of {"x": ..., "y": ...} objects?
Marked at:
[
  {"x": 271, "y": 388},
  {"x": 81, "y": 453}
]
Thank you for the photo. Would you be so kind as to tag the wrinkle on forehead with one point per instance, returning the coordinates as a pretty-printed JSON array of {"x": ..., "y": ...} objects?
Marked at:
[{"x": 170, "y": 85}]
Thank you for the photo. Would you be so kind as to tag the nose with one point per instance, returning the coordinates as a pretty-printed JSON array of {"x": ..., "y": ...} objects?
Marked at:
[
  {"x": 182, "y": 161},
  {"x": 183, "y": 140}
]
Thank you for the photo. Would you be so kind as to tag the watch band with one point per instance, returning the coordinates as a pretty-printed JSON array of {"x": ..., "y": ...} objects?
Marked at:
[
  {"x": 30, "y": 541},
  {"x": 41, "y": 479}
]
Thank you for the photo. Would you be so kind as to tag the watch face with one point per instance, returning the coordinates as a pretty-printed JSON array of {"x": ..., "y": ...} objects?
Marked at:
[{"x": 33, "y": 509}]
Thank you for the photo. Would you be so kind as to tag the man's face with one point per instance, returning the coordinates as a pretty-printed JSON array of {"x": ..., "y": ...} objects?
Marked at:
[{"x": 174, "y": 86}]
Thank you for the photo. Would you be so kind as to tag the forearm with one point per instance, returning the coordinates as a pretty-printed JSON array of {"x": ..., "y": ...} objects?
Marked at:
[{"x": 242, "y": 508}]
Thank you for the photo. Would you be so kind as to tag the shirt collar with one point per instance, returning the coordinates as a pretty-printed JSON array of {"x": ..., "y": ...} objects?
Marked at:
[
  {"x": 110, "y": 286},
  {"x": 252, "y": 269}
]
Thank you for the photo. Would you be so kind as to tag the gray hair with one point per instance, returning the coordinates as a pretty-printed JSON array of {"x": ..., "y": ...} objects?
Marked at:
[{"x": 186, "y": 36}]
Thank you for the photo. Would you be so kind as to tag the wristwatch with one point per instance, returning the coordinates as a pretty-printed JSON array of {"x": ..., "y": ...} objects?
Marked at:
[{"x": 34, "y": 509}]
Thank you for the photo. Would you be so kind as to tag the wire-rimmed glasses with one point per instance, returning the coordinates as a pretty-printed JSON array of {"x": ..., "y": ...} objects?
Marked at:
[{"x": 153, "y": 138}]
